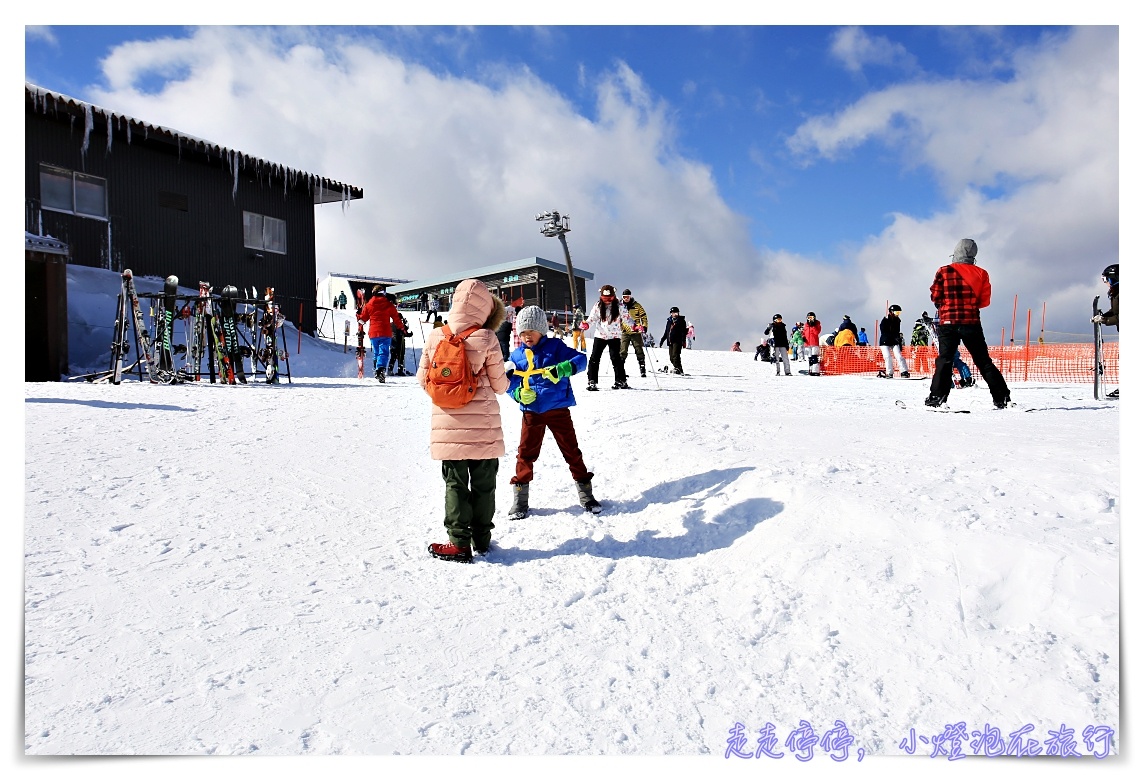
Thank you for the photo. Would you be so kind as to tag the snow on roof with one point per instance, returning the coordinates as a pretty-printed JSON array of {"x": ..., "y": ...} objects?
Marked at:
[
  {"x": 46, "y": 244},
  {"x": 323, "y": 189}
]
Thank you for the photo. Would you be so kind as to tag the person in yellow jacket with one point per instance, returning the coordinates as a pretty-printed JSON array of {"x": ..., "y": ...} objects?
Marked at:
[
  {"x": 634, "y": 334},
  {"x": 845, "y": 338}
]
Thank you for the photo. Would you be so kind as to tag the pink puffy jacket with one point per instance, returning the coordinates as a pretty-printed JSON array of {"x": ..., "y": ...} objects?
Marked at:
[{"x": 472, "y": 432}]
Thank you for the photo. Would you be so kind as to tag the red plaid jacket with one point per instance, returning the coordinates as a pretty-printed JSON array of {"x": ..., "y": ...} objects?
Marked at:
[{"x": 960, "y": 291}]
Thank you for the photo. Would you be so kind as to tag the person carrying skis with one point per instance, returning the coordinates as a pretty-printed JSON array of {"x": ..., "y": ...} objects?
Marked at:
[
  {"x": 960, "y": 290},
  {"x": 468, "y": 440},
  {"x": 890, "y": 340},
  {"x": 633, "y": 335},
  {"x": 1111, "y": 277},
  {"x": 811, "y": 330},
  {"x": 608, "y": 316},
  {"x": 539, "y": 371},
  {"x": 675, "y": 334},
  {"x": 381, "y": 316},
  {"x": 778, "y": 328}
]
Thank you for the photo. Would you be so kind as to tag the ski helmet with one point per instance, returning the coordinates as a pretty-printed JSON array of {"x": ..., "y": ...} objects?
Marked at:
[
  {"x": 810, "y": 314},
  {"x": 1112, "y": 274},
  {"x": 895, "y": 307},
  {"x": 776, "y": 318}
]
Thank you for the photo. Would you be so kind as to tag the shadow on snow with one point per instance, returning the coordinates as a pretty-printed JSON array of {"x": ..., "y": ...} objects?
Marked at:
[
  {"x": 700, "y": 535},
  {"x": 111, "y": 404}
]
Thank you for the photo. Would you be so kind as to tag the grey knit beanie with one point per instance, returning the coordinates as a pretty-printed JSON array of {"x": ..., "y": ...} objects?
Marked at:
[
  {"x": 532, "y": 318},
  {"x": 965, "y": 251}
]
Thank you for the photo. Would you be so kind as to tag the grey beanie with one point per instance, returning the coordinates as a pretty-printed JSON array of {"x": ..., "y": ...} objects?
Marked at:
[
  {"x": 532, "y": 318},
  {"x": 965, "y": 251}
]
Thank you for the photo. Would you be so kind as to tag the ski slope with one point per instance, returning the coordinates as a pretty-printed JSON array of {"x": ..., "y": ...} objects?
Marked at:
[{"x": 242, "y": 570}]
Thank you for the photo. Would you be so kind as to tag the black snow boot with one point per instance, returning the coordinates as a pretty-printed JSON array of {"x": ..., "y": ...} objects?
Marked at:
[
  {"x": 519, "y": 508},
  {"x": 592, "y": 385},
  {"x": 587, "y": 500}
]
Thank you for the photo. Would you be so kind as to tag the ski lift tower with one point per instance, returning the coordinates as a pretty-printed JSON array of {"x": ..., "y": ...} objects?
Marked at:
[{"x": 556, "y": 225}]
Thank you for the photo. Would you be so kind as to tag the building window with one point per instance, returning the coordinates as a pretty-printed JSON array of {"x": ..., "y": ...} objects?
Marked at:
[
  {"x": 72, "y": 192},
  {"x": 265, "y": 233}
]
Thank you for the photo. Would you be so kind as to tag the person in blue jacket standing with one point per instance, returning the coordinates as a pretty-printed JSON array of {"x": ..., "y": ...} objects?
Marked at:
[{"x": 539, "y": 381}]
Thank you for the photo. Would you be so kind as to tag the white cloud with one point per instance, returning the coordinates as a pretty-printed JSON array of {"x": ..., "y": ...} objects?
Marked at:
[
  {"x": 1030, "y": 166},
  {"x": 454, "y": 169},
  {"x": 855, "y": 49},
  {"x": 41, "y": 32}
]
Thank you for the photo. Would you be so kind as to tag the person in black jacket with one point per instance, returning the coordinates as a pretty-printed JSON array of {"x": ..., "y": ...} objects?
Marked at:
[
  {"x": 848, "y": 324},
  {"x": 675, "y": 335},
  {"x": 890, "y": 340},
  {"x": 1111, "y": 277},
  {"x": 782, "y": 344},
  {"x": 763, "y": 351}
]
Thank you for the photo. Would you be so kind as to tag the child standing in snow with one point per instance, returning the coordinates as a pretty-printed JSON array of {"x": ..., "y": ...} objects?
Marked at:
[
  {"x": 539, "y": 382},
  {"x": 468, "y": 440}
]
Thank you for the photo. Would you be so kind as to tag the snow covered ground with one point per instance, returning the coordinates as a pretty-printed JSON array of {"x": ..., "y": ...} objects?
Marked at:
[{"x": 242, "y": 570}]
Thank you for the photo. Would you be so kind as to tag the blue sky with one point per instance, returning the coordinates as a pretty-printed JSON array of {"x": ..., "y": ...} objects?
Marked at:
[{"x": 768, "y": 168}]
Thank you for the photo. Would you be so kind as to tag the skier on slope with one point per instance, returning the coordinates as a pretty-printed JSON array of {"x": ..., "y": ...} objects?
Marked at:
[
  {"x": 675, "y": 334},
  {"x": 960, "y": 290},
  {"x": 1111, "y": 277}
]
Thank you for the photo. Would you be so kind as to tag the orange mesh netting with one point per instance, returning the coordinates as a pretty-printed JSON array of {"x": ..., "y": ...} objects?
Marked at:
[{"x": 1034, "y": 363}]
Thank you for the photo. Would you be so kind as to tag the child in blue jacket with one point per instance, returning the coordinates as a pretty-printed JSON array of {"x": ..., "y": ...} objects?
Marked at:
[{"x": 538, "y": 381}]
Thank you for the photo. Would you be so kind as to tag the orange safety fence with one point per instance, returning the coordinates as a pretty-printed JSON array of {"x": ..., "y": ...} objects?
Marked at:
[{"x": 1032, "y": 363}]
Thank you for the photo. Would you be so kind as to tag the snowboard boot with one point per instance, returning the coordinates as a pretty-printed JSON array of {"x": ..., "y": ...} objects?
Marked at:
[
  {"x": 587, "y": 500},
  {"x": 967, "y": 382},
  {"x": 621, "y": 385},
  {"x": 481, "y": 549},
  {"x": 882, "y": 375},
  {"x": 1115, "y": 394},
  {"x": 905, "y": 375},
  {"x": 380, "y": 374},
  {"x": 935, "y": 401},
  {"x": 592, "y": 385},
  {"x": 452, "y": 552},
  {"x": 643, "y": 371},
  {"x": 519, "y": 508},
  {"x": 1004, "y": 403}
]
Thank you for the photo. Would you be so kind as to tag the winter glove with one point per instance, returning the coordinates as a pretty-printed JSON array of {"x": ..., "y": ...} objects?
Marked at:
[
  {"x": 509, "y": 367},
  {"x": 1098, "y": 318},
  {"x": 583, "y": 326},
  {"x": 524, "y": 395},
  {"x": 557, "y": 372}
]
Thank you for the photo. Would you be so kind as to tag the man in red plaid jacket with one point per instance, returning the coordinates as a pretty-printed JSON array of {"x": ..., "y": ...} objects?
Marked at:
[{"x": 960, "y": 291}]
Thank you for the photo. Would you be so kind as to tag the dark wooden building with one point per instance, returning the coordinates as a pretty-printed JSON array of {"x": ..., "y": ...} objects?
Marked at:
[
  {"x": 125, "y": 193},
  {"x": 532, "y": 281}
]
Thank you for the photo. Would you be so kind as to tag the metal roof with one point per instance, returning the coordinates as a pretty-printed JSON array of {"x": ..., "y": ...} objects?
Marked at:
[
  {"x": 487, "y": 270},
  {"x": 46, "y": 244},
  {"x": 324, "y": 190}
]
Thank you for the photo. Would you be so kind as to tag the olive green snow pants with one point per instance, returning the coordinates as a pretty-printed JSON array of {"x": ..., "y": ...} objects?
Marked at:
[{"x": 470, "y": 500}]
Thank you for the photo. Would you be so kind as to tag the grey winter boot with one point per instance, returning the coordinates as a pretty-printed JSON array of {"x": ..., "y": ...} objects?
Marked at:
[
  {"x": 587, "y": 500},
  {"x": 519, "y": 508}
]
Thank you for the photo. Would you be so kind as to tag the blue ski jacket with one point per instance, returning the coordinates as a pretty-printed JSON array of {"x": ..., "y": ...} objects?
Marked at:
[{"x": 548, "y": 352}]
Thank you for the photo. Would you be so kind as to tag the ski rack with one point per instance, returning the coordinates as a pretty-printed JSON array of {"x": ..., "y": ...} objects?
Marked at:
[{"x": 251, "y": 338}]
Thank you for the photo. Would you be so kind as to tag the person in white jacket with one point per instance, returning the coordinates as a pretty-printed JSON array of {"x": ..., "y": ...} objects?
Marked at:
[{"x": 608, "y": 316}]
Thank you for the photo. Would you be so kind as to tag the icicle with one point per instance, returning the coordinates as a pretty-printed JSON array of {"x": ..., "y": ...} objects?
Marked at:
[
  {"x": 110, "y": 129},
  {"x": 234, "y": 175},
  {"x": 88, "y": 123}
]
